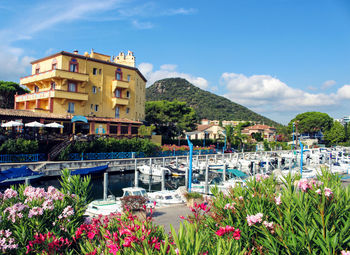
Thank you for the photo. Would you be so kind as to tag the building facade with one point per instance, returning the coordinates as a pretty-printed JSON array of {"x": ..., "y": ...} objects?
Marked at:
[
  {"x": 267, "y": 132},
  {"x": 90, "y": 85}
]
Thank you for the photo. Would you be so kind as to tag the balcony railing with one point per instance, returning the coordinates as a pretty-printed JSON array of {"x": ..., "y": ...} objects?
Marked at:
[
  {"x": 120, "y": 101},
  {"x": 120, "y": 84},
  {"x": 56, "y": 73},
  {"x": 52, "y": 93}
]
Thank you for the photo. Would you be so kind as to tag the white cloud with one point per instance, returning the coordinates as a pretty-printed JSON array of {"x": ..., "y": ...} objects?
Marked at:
[
  {"x": 13, "y": 65},
  {"x": 168, "y": 67},
  {"x": 267, "y": 93},
  {"x": 169, "y": 71},
  {"x": 142, "y": 25},
  {"x": 328, "y": 84},
  {"x": 344, "y": 92},
  {"x": 180, "y": 11}
]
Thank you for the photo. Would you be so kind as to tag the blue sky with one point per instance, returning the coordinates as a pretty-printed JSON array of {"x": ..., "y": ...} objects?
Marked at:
[{"x": 277, "y": 57}]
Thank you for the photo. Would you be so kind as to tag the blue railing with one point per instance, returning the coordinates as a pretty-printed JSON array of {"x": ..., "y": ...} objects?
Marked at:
[
  {"x": 14, "y": 158},
  {"x": 121, "y": 155}
]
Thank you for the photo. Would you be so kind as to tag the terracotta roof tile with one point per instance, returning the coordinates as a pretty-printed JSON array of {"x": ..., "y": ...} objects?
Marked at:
[{"x": 30, "y": 114}]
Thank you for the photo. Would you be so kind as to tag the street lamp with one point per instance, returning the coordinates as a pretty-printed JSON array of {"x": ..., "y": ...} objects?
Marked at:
[{"x": 205, "y": 135}]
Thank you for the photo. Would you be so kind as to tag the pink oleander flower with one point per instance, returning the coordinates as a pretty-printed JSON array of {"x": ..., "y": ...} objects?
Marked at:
[
  {"x": 344, "y": 252},
  {"x": 318, "y": 191},
  {"x": 240, "y": 198},
  {"x": 48, "y": 205},
  {"x": 261, "y": 177},
  {"x": 278, "y": 200},
  {"x": 230, "y": 206},
  {"x": 253, "y": 219},
  {"x": 328, "y": 192},
  {"x": 228, "y": 229},
  {"x": 304, "y": 185},
  {"x": 268, "y": 225},
  {"x": 10, "y": 193},
  {"x": 35, "y": 211}
]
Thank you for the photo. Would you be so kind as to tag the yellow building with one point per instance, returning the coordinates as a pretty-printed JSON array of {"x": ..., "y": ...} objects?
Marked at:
[{"x": 92, "y": 85}]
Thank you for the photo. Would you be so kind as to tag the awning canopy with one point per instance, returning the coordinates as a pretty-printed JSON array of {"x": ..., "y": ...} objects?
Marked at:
[{"x": 79, "y": 118}]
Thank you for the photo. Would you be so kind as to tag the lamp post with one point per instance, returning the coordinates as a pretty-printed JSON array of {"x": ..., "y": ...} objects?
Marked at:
[
  {"x": 190, "y": 163},
  {"x": 205, "y": 135},
  {"x": 293, "y": 134}
]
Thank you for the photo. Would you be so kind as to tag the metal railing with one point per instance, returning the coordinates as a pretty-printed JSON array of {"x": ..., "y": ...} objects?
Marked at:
[
  {"x": 14, "y": 158},
  {"x": 122, "y": 155}
]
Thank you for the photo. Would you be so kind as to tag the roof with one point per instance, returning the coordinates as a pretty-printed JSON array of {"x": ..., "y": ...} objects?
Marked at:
[
  {"x": 88, "y": 58},
  {"x": 30, "y": 114},
  {"x": 204, "y": 127},
  {"x": 259, "y": 126}
]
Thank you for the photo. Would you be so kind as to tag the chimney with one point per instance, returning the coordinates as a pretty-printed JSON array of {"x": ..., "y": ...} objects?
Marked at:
[{"x": 75, "y": 51}]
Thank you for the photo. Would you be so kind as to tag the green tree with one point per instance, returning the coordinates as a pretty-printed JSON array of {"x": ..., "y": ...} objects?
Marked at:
[
  {"x": 146, "y": 130},
  {"x": 8, "y": 90},
  {"x": 258, "y": 137},
  {"x": 310, "y": 122},
  {"x": 170, "y": 118},
  {"x": 230, "y": 135},
  {"x": 336, "y": 134}
]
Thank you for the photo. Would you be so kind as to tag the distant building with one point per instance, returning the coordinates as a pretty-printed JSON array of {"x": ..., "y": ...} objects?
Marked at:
[
  {"x": 224, "y": 122},
  {"x": 211, "y": 131},
  {"x": 343, "y": 120},
  {"x": 266, "y": 131}
]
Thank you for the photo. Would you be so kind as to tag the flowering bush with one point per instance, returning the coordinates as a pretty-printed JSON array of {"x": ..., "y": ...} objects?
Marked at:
[
  {"x": 295, "y": 217},
  {"x": 169, "y": 147},
  {"x": 30, "y": 217}
]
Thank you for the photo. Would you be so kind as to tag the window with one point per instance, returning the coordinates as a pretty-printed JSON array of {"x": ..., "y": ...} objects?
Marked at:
[
  {"x": 128, "y": 94},
  {"x": 100, "y": 71},
  {"x": 54, "y": 64},
  {"x": 53, "y": 85},
  {"x": 72, "y": 87},
  {"x": 71, "y": 107},
  {"x": 36, "y": 89},
  {"x": 73, "y": 65},
  {"x": 96, "y": 107},
  {"x": 118, "y": 93},
  {"x": 117, "y": 112},
  {"x": 37, "y": 69},
  {"x": 91, "y": 107},
  {"x": 118, "y": 74},
  {"x": 94, "y": 89},
  {"x": 94, "y": 71},
  {"x": 127, "y": 110},
  {"x": 128, "y": 77}
]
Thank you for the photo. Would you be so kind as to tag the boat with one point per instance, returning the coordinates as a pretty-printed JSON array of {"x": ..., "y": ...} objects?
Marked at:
[
  {"x": 113, "y": 204},
  {"x": 18, "y": 175},
  {"x": 166, "y": 198},
  {"x": 146, "y": 179},
  {"x": 91, "y": 170},
  {"x": 155, "y": 170},
  {"x": 176, "y": 172}
]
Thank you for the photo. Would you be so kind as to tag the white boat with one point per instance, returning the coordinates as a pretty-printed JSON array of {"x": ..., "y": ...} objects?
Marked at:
[
  {"x": 166, "y": 198},
  {"x": 155, "y": 170},
  {"x": 223, "y": 186},
  {"x": 113, "y": 204}
]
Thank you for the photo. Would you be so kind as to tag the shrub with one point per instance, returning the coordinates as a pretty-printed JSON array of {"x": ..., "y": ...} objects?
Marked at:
[
  {"x": 19, "y": 146},
  {"x": 193, "y": 195}
]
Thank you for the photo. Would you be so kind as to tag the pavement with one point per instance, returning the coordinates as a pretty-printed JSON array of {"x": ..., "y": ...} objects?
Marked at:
[{"x": 167, "y": 216}]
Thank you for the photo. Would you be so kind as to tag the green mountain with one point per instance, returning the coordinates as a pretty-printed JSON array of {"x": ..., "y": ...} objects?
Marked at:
[{"x": 207, "y": 105}]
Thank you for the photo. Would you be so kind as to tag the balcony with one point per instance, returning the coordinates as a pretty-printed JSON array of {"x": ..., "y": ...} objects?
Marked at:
[
  {"x": 54, "y": 94},
  {"x": 119, "y": 101},
  {"x": 57, "y": 73},
  {"x": 120, "y": 84}
]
